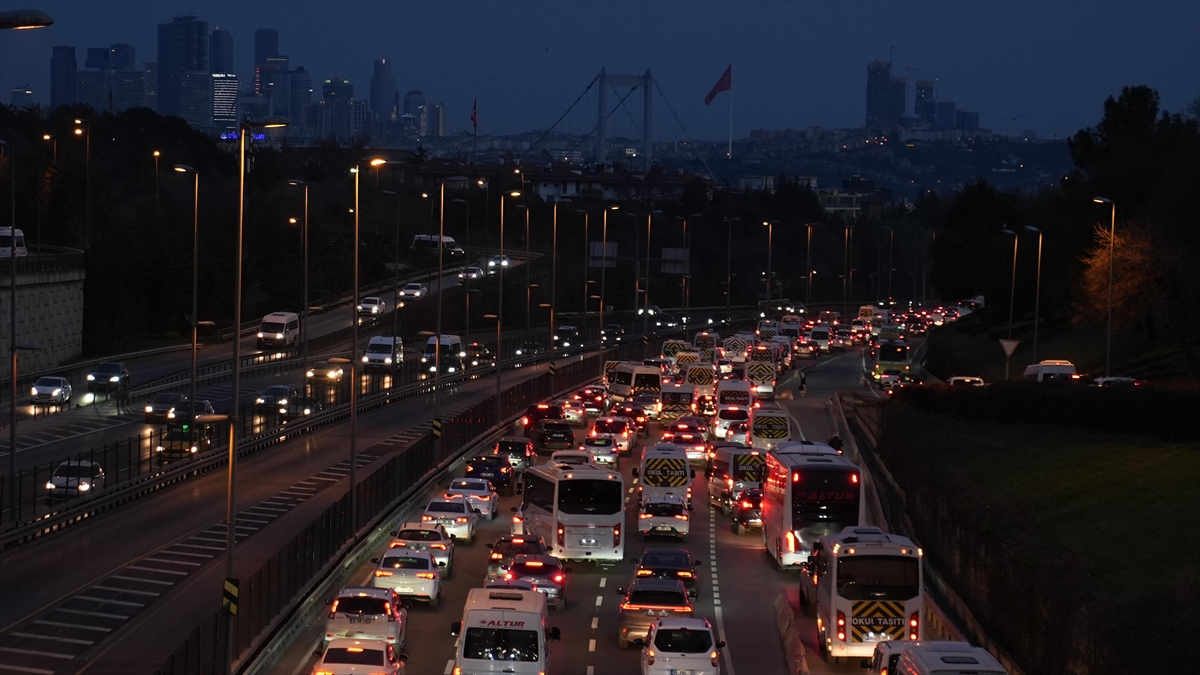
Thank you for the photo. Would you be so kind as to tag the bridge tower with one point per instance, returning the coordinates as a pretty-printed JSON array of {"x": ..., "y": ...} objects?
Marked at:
[{"x": 646, "y": 82}]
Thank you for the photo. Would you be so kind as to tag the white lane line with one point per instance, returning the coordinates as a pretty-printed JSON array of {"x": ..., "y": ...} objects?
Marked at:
[
  {"x": 106, "y": 601},
  {"x": 155, "y": 569},
  {"x": 591, "y": 645},
  {"x": 103, "y": 615},
  {"x": 591, "y": 670},
  {"x": 34, "y": 652},
  {"x": 19, "y": 669},
  {"x": 595, "y": 622},
  {"x": 210, "y": 548},
  {"x": 144, "y": 581},
  {"x": 54, "y": 639},
  {"x": 721, "y": 634},
  {"x": 189, "y": 563},
  {"x": 603, "y": 582},
  {"x": 599, "y": 600},
  {"x": 715, "y": 595},
  {"x": 79, "y": 626},
  {"x": 125, "y": 590},
  {"x": 194, "y": 555},
  {"x": 449, "y": 667}
]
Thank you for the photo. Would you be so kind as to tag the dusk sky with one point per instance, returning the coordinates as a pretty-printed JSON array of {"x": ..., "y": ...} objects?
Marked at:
[{"x": 1045, "y": 66}]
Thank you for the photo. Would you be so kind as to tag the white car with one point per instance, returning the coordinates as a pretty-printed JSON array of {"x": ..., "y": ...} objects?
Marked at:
[
  {"x": 372, "y": 306},
  {"x": 727, "y": 415},
  {"x": 455, "y": 514},
  {"x": 414, "y": 290},
  {"x": 664, "y": 515},
  {"x": 409, "y": 573},
  {"x": 479, "y": 494},
  {"x": 50, "y": 389},
  {"x": 74, "y": 478},
  {"x": 471, "y": 272},
  {"x": 969, "y": 381},
  {"x": 497, "y": 262},
  {"x": 681, "y": 646},
  {"x": 621, "y": 429},
  {"x": 367, "y": 614},
  {"x": 431, "y": 537},
  {"x": 354, "y": 657},
  {"x": 603, "y": 448}
]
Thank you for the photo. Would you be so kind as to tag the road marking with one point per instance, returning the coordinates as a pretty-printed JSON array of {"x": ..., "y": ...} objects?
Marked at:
[
  {"x": 591, "y": 670},
  {"x": 591, "y": 645},
  {"x": 189, "y": 563},
  {"x": 599, "y": 600},
  {"x": 125, "y": 590},
  {"x": 449, "y": 667},
  {"x": 81, "y": 626},
  {"x": 19, "y": 669},
  {"x": 144, "y": 581},
  {"x": 721, "y": 634},
  {"x": 194, "y": 555},
  {"x": 603, "y": 582},
  {"x": 105, "y": 601},
  {"x": 715, "y": 594},
  {"x": 52, "y": 638},
  {"x": 34, "y": 652},
  {"x": 595, "y": 622},
  {"x": 153, "y": 569}
]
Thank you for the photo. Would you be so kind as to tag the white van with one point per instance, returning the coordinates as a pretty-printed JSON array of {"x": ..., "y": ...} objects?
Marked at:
[
  {"x": 665, "y": 471},
  {"x": 734, "y": 392},
  {"x": 820, "y": 335},
  {"x": 451, "y": 355},
  {"x": 897, "y": 657},
  {"x": 1052, "y": 370},
  {"x": 769, "y": 427},
  {"x": 279, "y": 329},
  {"x": 428, "y": 244},
  {"x": 503, "y": 629},
  {"x": 384, "y": 353},
  {"x": 6, "y": 243}
]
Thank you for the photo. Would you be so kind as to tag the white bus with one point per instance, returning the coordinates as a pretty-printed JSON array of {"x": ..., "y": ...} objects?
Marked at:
[
  {"x": 628, "y": 379},
  {"x": 806, "y": 496},
  {"x": 867, "y": 588},
  {"x": 579, "y": 511}
]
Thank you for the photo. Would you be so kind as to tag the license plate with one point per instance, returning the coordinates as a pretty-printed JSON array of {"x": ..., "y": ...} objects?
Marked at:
[
  {"x": 365, "y": 619},
  {"x": 676, "y": 671},
  {"x": 656, "y": 612},
  {"x": 404, "y": 589},
  {"x": 663, "y": 528}
]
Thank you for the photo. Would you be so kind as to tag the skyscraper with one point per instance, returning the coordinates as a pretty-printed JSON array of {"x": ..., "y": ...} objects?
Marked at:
[
  {"x": 128, "y": 90},
  {"x": 22, "y": 97},
  {"x": 220, "y": 51},
  {"x": 967, "y": 120},
  {"x": 122, "y": 57},
  {"x": 97, "y": 58},
  {"x": 879, "y": 81},
  {"x": 897, "y": 102},
  {"x": 923, "y": 103},
  {"x": 437, "y": 119},
  {"x": 225, "y": 101},
  {"x": 301, "y": 99},
  {"x": 94, "y": 87},
  {"x": 279, "y": 90},
  {"x": 182, "y": 48},
  {"x": 196, "y": 99},
  {"x": 337, "y": 89},
  {"x": 266, "y": 45},
  {"x": 62, "y": 76},
  {"x": 152, "y": 85},
  {"x": 383, "y": 92}
]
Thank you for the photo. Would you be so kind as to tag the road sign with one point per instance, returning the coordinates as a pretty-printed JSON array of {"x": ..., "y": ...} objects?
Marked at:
[
  {"x": 229, "y": 598},
  {"x": 553, "y": 370},
  {"x": 1009, "y": 346},
  {"x": 437, "y": 428}
]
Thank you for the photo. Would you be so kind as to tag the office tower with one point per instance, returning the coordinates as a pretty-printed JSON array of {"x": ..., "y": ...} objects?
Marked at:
[
  {"x": 62, "y": 76},
  {"x": 967, "y": 120},
  {"x": 97, "y": 58},
  {"x": 279, "y": 90},
  {"x": 152, "y": 85},
  {"x": 383, "y": 92},
  {"x": 923, "y": 103},
  {"x": 879, "y": 81},
  {"x": 266, "y": 45},
  {"x": 414, "y": 102},
  {"x": 337, "y": 89},
  {"x": 897, "y": 99},
  {"x": 263, "y": 72},
  {"x": 943, "y": 115},
  {"x": 220, "y": 51},
  {"x": 22, "y": 97},
  {"x": 437, "y": 119},
  {"x": 94, "y": 87},
  {"x": 128, "y": 90},
  {"x": 122, "y": 57},
  {"x": 182, "y": 48},
  {"x": 301, "y": 94},
  {"x": 196, "y": 98},
  {"x": 225, "y": 102}
]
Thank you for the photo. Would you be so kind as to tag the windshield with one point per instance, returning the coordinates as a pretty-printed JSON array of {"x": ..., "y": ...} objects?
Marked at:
[
  {"x": 379, "y": 348},
  {"x": 819, "y": 335},
  {"x": 734, "y": 415},
  {"x": 647, "y": 381},
  {"x": 512, "y": 548},
  {"x": 599, "y": 497},
  {"x": 73, "y": 471},
  {"x": 276, "y": 391},
  {"x": 108, "y": 368},
  {"x": 675, "y": 598},
  {"x": 683, "y": 640},
  {"x": 500, "y": 644},
  {"x": 610, "y": 426},
  {"x": 557, "y": 427},
  {"x": 49, "y": 382},
  {"x": 893, "y": 353},
  {"x": 664, "y": 509},
  {"x": 168, "y": 398},
  {"x": 418, "y": 535},
  {"x": 370, "y": 301},
  {"x": 447, "y": 507},
  {"x": 876, "y": 576},
  {"x": 677, "y": 398},
  {"x": 405, "y": 563},
  {"x": 566, "y": 332},
  {"x": 413, "y": 287},
  {"x": 271, "y": 327},
  {"x": 354, "y": 656},
  {"x": 357, "y": 605}
]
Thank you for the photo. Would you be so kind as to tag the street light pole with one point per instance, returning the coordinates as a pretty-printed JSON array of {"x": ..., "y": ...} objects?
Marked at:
[
  {"x": 728, "y": 263},
  {"x": 646, "y": 303},
  {"x": 500, "y": 309},
  {"x": 1112, "y": 240},
  {"x": 157, "y": 199},
  {"x": 808, "y": 290},
  {"x": 183, "y": 168},
  {"x": 86, "y": 132},
  {"x": 304, "y": 292},
  {"x": 587, "y": 266},
  {"x": 1012, "y": 294},
  {"x": 527, "y": 279},
  {"x": 1037, "y": 297},
  {"x": 395, "y": 269},
  {"x": 466, "y": 277},
  {"x": 437, "y": 348},
  {"x": 603, "y": 270},
  {"x": 770, "y": 247}
]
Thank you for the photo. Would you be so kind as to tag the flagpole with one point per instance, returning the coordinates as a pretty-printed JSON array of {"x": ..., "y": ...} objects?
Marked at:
[{"x": 729, "y": 152}]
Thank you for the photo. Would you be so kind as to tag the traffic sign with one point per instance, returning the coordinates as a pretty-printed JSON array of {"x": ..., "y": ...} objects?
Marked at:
[
  {"x": 437, "y": 428},
  {"x": 553, "y": 370},
  {"x": 1009, "y": 346},
  {"x": 229, "y": 598}
]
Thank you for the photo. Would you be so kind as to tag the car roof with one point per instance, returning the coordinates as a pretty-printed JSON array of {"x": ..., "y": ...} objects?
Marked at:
[
  {"x": 78, "y": 462},
  {"x": 672, "y": 498},
  {"x": 459, "y": 499},
  {"x": 481, "y": 482},
  {"x": 652, "y": 584},
  {"x": 405, "y": 552},
  {"x": 513, "y": 439},
  {"x": 344, "y": 643},
  {"x": 665, "y": 556},
  {"x": 364, "y": 592},
  {"x": 417, "y": 525},
  {"x": 690, "y": 624}
]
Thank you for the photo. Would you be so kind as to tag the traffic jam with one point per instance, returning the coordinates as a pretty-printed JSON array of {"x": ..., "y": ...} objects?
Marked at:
[{"x": 603, "y": 491}]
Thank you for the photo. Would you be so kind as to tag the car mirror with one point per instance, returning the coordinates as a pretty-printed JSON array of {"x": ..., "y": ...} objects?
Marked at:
[
  {"x": 635, "y": 472},
  {"x": 697, "y": 563},
  {"x": 693, "y": 594},
  {"x": 402, "y": 657},
  {"x": 618, "y": 591},
  {"x": 442, "y": 564},
  {"x": 720, "y": 644},
  {"x": 392, "y": 533},
  {"x": 375, "y": 560},
  {"x": 318, "y": 653},
  {"x": 633, "y": 560},
  {"x": 691, "y": 507},
  {"x": 555, "y": 634},
  {"x": 489, "y": 545},
  {"x": 520, "y": 489},
  {"x": 329, "y": 601},
  {"x": 456, "y": 628}
]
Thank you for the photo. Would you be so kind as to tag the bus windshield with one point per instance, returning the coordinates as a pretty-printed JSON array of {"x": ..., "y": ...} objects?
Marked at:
[
  {"x": 500, "y": 644},
  {"x": 893, "y": 354},
  {"x": 683, "y": 398},
  {"x": 830, "y": 496},
  {"x": 878, "y": 577},
  {"x": 590, "y": 497},
  {"x": 647, "y": 381}
]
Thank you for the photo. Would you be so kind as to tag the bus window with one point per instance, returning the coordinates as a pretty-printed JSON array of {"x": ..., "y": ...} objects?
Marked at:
[
  {"x": 602, "y": 497},
  {"x": 882, "y": 577},
  {"x": 651, "y": 381}
]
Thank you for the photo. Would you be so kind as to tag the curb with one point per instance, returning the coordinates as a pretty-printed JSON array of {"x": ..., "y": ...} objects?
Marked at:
[{"x": 789, "y": 633}]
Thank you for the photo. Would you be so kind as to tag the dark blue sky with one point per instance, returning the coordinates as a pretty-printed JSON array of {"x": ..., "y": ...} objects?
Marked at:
[{"x": 1045, "y": 66}]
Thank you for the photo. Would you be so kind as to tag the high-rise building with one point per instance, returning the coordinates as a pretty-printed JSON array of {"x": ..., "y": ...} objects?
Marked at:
[
  {"x": 97, "y": 58},
  {"x": 220, "y": 51},
  {"x": 923, "y": 103},
  {"x": 301, "y": 94},
  {"x": 279, "y": 90},
  {"x": 337, "y": 89},
  {"x": 263, "y": 72},
  {"x": 128, "y": 90},
  {"x": 152, "y": 85},
  {"x": 266, "y": 45},
  {"x": 879, "y": 82},
  {"x": 415, "y": 115},
  {"x": 182, "y": 48},
  {"x": 414, "y": 102},
  {"x": 897, "y": 102},
  {"x": 437, "y": 119},
  {"x": 122, "y": 56},
  {"x": 225, "y": 102},
  {"x": 94, "y": 87},
  {"x": 62, "y": 76},
  {"x": 943, "y": 115},
  {"x": 196, "y": 99},
  {"x": 967, "y": 120},
  {"x": 22, "y": 97},
  {"x": 383, "y": 92}
]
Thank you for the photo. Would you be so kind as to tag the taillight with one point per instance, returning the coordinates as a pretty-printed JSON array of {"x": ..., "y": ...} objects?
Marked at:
[
  {"x": 841, "y": 626},
  {"x": 383, "y": 573},
  {"x": 791, "y": 542},
  {"x": 440, "y": 547},
  {"x": 424, "y": 575},
  {"x": 645, "y": 573},
  {"x": 682, "y": 517},
  {"x": 508, "y": 576},
  {"x": 649, "y": 657},
  {"x": 684, "y": 574},
  {"x": 524, "y": 421},
  {"x": 516, "y": 520},
  {"x": 853, "y": 476},
  {"x": 460, "y": 519},
  {"x": 387, "y": 609},
  {"x": 497, "y": 556},
  {"x": 470, "y": 468},
  {"x": 645, "y": 515},
  {"x": 562, "y": 536},
  {"x": 426, "y": 519},
  {"x": 729, "y": 481},
  {"x": 558, "y": 578},
  {"x": 914, "y": 625},
  {"x": 333, "y": 609},
  {"x": 616, "y": 535},
  {"x": 747, "y": 505},
  {"x": 716, "y": 661}
]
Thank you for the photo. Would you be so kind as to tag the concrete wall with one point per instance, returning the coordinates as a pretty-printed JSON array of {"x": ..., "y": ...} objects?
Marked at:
[{"x": 49, "y": 310}]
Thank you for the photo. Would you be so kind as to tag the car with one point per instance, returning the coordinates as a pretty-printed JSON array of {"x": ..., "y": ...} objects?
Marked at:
[
  {"x": 409, "y": 573},
  {"x": 668, "y": 563},
  {"x": 74, "y": 478},
  {"x": 371, "y": 306},
  {"x": 1116, "y": 381},
  {"x": 676, "y": 646},
  {"x": 566, "y": 337},
  {"x": 965, "y": 381},
  {"x": 186, "y": 412},
  {"x": 603, "y": 449},
  {"x": 574, "y": 413},
  {"x": 635, "y": 413},
  {"x": 514, "y": 584},
  {"x": 367, "y": 614},
  {"x": 572, "y": 457},
  {"x": 612, "y": 332},
  {"x": 664, "y": 515},
  {"x": 275, "y": 396},
  {"x": 497, "y": 262},
  {"x": 455, "y": 514},
  {"x": 108, "y": 376},
  {"x": 50, "y": 390},
  {"x": 622, "y": 429},
  {"x": 324, "y": 371},
  {"x": 479, "y": 493},
  {"x": 650, "y": 402},
  {"x": 545, "y": 572},
  {"x": 538, "y": 412},
  {"x": 529, "y": 349},
  {"x": 645, "y": 601},
  {"x": 164, "y": 405},
  {"x": 430, "y": 537},
  {"x": 414, "y": 290},
  {"x": 347, "y": 657},
  {"x": 183, "y": 441},
  {"x": 594, "y": 399},
  {"x": 518, "y": 451},
  {"x": 495, "y": 469},
  {"x": 550, "y": 434},
  {"x": 508, "y": 547},
  {"x": 746, "y": 510},
  {"x": 479, "y": 356},
  {"x": 300, "y": 406},
  {"x": 738, "y": 432},
  {"x": 472, "y": 272},
  {"x": 725, "y": 417}
]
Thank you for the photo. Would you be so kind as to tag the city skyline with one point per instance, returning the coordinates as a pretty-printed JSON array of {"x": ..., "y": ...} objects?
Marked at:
[{"x": 1022, "y": 66}]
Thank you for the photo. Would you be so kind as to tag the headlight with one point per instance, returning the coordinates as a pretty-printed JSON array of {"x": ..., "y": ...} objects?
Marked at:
[
  {"x": 283, "y": 401},
  {"x": 257, "y": 401},
  {"x": 260, "y": 334},
  {"x": 374, "y": 309},
  {"x": 149, "y": 409},
  {"x": 364, "y": 359},
  {"x": 158, "y": 449},
  {"x": 519, "y": 352},
  {"x": 283, "y": 411},
  {"x": 194, "y": 448},
  {"x": 84, "y": 486},
  {"x": 49, "y": 485},
  {"x": 309, "y": 373},
  {"x": 33, "y": 392},
  {"x": 279, "y": 336},
  {"x": 450, "y": 369},
  {"x": 91, "y": 377},
  {"x": 114, "y": 378},
  {"x": 475, "y": 363},
  {"x": 331, "y": 374},
  {"x": 308, "y": 411},
  {"x": 387, "y": 360},
  {"x": 360, "y": 308},
  {"x": 432, "y": 369},
  {"x": 423, "y": 359},
  {"x": 171, "y": 414}
]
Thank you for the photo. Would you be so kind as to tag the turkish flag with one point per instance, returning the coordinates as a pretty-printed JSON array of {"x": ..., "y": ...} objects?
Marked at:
[
  {"x": 723, "y": 84},
  {"x": 474, "y": 120}
]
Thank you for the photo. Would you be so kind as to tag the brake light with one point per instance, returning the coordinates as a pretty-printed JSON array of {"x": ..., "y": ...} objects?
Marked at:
[
  {"x": 524, "y": 421},
  {"x": 645, "y": 515},
  {"x": 593, "y": 432},
  {"x": 645, "y": 573},
  {"x": 558, "y": 578},
  {"x": 333, "y": 609},
  {"x": 562, "y": 536},
  {"x": 508, "y": 576},
  {"x": 796, "y": 477},
  {"x": 746, "y": 504},
  {"x": 518, "y": 540},
  {"x": 616, "y": 535},
  {"x": 649, "y": 657},
  {"x": 398, "y": 544},
  {"x": 440, "y": 547},
  {"x": 387, "y": 609},
  {"x": 624, "y": 434},
  {"x": 682, "y": 517},
  {"x": 854, "y": 478},
  {"x": 516, "y": 520},
  {"x": 729, "y": 481},
  {"x": 504, "y": 469},
  {"x": 425, "y": 575},
  {"x": 383, "y": 573},
  {"x": 460, "y": 519},
  {"x": 684, "y": 574},
  {"x": 535, "y": 563},
  {"x": 715, "y": 661},
  {"x": 791, "y": 542},
  {"x": 841, "y": 626},
  {"x": 914, "y": 625},
  {"x": 497, "y": 556},
  {"x": 426, "y": 518}
]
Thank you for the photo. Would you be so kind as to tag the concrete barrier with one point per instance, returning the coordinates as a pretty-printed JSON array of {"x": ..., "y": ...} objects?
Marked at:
[{"x": 789, "y": 633}]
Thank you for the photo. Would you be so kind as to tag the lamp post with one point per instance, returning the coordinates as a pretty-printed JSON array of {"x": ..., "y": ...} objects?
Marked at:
[
  {"x": 1112, "y": 240},
  {"x": 1012, "y": 293},
  {"x": 687, "y": 263},
  {"x": 395, "y": 267},
  {"x": 244, "y": 128},
  {"x": 157, "y": 198},
  {"x": 603, "y": 269},
  {"x": 845, "y": 263},
  {"x": 728, "y": 263},
  {"x": 84, "y": 129},
  {"x": 1037, "y": 295},
  {"x": 437, "y": 347},
  {"x": 184, "y": 168},
  {"x": 808, "y": 290},
  {"x": 500, "y": 308},
  {"x": 770, "y": 246},
  {"x": 296, "y": 182},
  {"x": 54, "y": 147},
  {"x": 525, "y": 208},
  {"x": 587, "y": 266},
  {"x": 646, "y": 302},
  {"x": 467, "y": 277}
]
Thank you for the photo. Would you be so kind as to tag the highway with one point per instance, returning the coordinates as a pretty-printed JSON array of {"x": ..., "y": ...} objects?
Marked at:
[{"x": 739, "y": 582}]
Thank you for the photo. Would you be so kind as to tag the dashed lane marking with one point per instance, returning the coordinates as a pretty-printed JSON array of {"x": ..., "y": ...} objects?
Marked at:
[
  {"x": 599, "y": 600},
  {"x": 54, "y": 638},
  {"x": 595, "y": 622},
  {"x": 591, "y": 645},
  {"x": 33, "y": 652},
  {"x": 449, "y": 667},
  {"x": 603, "y": 582}
]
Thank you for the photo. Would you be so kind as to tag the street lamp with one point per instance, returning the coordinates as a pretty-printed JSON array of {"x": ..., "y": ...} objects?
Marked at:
[
  {"x": 811, "y": 271},
  {"x": 184, "y": 168},
  {"x": 500, "y": 307},
  {"x": 687, "y": 262},
  {"x": 1012, "y": 293},
  {"x": 1112, "y": 240},
  {"x": 157, "y": 154},
  {"x": 84, "y": 129},
  {"x": 554, "y": 272},
  {"x": 528, "y": 302},
  {"x": 54, "y": 146},
  {"x": 525, "y": 208},
  {"x": 296, "y": 182},
  {"x": 587, "y": 266},
  {"x": 729, "y": 262},
  {"x": 603, "y": 269},
  {"x": 646, "y": 302},
  {"x": 467, "y": 277},
  {"x": 845, "y": 263},
  {"x": 1037, "y": 297},
  {"x": 23, "y": 19},
  {"x": 770, "y": 246}
]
